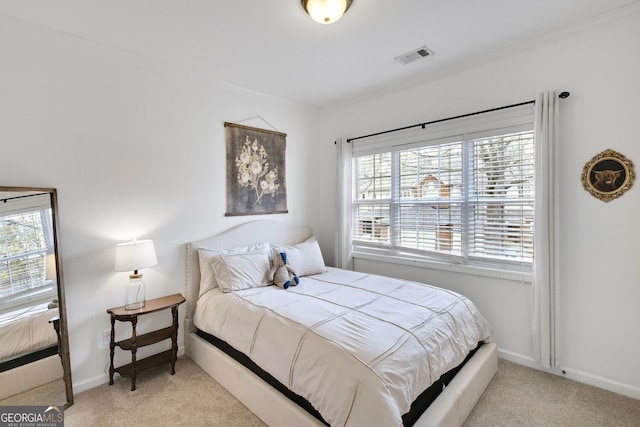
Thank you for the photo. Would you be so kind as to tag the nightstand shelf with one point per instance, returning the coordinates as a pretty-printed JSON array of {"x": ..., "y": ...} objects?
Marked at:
[
  {"x": 146, "y": 363},
  {"x": 136, "y": 341},
  {"x": 146, "y": 339}
]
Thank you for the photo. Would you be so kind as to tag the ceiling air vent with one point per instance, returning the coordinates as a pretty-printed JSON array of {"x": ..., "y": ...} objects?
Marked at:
[{"x": 414, "y": 55}]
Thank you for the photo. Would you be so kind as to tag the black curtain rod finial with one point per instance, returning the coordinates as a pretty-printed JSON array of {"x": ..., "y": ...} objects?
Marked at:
[{"x": 564, "y": 95}]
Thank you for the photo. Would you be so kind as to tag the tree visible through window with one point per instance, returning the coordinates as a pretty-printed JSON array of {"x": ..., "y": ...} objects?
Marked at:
[{"x": 468, "y": 201}]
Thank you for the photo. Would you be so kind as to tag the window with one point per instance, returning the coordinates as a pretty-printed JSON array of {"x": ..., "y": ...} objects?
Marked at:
[
  {"x": 25, "y": 241},
  {"x": 462, "y": 197}
]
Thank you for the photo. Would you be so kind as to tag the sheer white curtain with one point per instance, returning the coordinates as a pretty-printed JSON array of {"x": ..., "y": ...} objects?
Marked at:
[
  {"x": 343, "y": 258},
  {"x": 545, "y": 262}
]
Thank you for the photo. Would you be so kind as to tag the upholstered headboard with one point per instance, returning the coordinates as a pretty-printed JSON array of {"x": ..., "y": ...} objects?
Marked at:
[{"x": 247, "y": 233}]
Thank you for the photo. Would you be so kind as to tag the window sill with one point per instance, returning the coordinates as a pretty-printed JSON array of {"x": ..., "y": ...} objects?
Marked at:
[
  {"x": 515, "y": 276},
  {"x": 39, "y": 296}
]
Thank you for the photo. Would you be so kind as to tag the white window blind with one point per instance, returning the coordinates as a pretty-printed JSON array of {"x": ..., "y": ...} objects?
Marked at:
[
  {"x": 460, "y": 192},
  {"x": 502, "y": 198}
]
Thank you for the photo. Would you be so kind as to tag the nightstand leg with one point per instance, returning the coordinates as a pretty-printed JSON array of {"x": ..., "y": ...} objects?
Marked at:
[
  {"x": 174, "y": 339},
  {"x": 134, "y": 350},
  {"x": 112, "y": 346}
]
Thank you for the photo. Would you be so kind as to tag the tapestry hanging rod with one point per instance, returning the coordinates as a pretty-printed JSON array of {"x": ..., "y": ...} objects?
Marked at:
[{"x": 562, "y": 95}]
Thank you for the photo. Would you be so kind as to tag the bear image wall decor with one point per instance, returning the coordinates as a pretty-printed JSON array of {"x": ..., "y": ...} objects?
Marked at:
[{"x": 608, "y": 175}]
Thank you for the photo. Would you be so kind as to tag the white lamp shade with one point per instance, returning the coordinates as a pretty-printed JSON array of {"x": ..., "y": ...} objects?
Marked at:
[
  {"x": 135, "y": 255},
  {"x": 326, "y": 11},
  {"x": 50, "y": 267}
]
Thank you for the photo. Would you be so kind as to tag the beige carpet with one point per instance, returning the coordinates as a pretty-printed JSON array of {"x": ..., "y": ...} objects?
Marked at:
[
  {"x": 188, "y": 398},
  {"x": 517, "y": 396},
  {"x": 52, "y": 393},
  {"x": 521, "y": 396}
]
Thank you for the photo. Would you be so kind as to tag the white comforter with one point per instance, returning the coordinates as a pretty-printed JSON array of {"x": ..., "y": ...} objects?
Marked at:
[
  {"x": 26, "y": 330},
  {"x": 358, "y": 347}
]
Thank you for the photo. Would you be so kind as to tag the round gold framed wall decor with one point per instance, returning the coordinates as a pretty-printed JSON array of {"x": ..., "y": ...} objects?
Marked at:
[{"x": 608, "y": 175}]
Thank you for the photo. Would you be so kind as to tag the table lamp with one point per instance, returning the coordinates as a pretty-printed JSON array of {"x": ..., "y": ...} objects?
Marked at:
[{"x": 135, "y": 255}]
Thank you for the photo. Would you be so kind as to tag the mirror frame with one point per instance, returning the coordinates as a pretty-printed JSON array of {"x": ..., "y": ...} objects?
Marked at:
[{"x": 62, "y": 306}]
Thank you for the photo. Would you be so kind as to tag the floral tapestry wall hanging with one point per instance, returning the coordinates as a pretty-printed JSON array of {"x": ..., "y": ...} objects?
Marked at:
[{"x": 256, "y": 179}]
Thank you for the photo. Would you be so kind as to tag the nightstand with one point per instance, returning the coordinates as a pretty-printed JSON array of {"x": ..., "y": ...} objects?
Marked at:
[{"x": 136, "y": 341}]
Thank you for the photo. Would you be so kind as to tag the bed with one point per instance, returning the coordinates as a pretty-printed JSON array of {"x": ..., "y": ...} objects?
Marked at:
[
  {"x": 28, "y": 348},
  {"x": 26, "y": 331},
  {"x": 330, "y": 351}
]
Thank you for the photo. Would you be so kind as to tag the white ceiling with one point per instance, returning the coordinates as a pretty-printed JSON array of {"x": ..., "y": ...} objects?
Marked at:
[{"x": 273, "y": 47}]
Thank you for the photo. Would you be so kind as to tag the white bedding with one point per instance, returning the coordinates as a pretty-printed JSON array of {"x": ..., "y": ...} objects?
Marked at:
[
  {"x": 357, "y": 361},
  {"x": 26, "y": 330}
]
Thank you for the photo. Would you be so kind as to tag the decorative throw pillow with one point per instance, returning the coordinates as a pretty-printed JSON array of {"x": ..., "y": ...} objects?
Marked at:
[
  {"x": 207, "y": 278},
  {"x": 305, "y": 258},
  {"x": 234, "y": 272}
]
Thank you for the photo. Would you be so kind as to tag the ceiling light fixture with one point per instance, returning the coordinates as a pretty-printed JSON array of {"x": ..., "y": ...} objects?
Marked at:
[{"x": 326, "y": 11}]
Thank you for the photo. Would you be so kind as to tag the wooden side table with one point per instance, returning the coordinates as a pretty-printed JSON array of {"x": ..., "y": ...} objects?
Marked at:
[{"x": 132, "y": 344}]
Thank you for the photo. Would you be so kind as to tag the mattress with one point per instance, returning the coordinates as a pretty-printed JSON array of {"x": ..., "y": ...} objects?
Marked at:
[{"x": 358, "y": 347}]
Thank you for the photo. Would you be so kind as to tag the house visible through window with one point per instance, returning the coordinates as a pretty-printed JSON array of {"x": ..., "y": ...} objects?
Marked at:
[
  {"x": 25, "y": 241},
  {"x": 455, "y": 196}
]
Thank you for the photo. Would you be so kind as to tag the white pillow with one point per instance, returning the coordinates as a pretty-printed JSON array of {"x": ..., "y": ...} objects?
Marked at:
[
  {"x": 246, "y": 270},
  {"x": 305, "y": 258},
  {"x": 207, "y": 279}
]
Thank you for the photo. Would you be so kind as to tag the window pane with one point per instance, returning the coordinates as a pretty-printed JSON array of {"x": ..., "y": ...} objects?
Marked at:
[
  {"x": 431, "y": 177},
  {"x": 429, "y": 227},
  {"x": 503, "y": 231},
  {"x": 373, "y": 176},
  {"x": 504, "y": 166},
  {"x": 23, "y": 250},
  {"x": 24, "y": 274},
  {"x": 502, "y": 226},
  {"x": 371, "y": 223},
  {"x": 431, "y": 172}
]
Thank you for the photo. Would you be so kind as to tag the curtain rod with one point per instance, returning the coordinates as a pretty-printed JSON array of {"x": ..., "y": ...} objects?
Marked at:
[
  {"x": 562, "y": 95},
  {"x": 5, "y": 200}
]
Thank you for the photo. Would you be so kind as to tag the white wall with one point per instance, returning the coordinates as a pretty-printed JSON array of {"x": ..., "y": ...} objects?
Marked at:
[
  {"x": 136, "y": 149},
  {"x": 599, "y": 278}
]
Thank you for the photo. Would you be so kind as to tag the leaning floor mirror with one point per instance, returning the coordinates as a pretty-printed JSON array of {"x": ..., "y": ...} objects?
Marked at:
[{"x": 34, "y": 345}]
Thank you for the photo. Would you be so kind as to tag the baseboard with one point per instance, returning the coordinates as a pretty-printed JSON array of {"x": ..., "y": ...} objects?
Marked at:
[
  {"x": 604, "y": 383},
  {"x": 573, "y": 374},
  {"x": 89, "y": 383},
  {"x": 98, "y": 380},
  {"x": 518, "y": 358}
]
